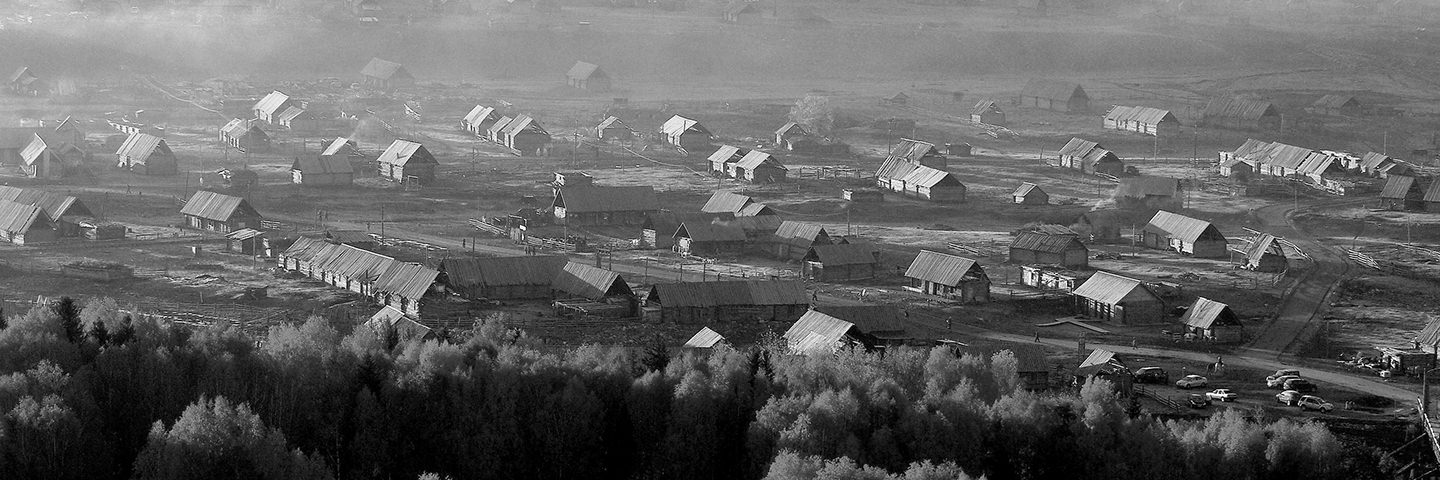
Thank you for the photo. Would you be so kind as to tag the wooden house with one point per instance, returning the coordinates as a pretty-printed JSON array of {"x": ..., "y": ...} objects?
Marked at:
[
  {"x": 501, "y": 278},
  {"x": 51, "y": 158},
  {"x": 595, "y": 205},
  {"x": 759, "y": 230},
  {"x": 687, "y": 134},
  {"x": 408, "y": 287},
  {"x": 727, "y": 205},
  {"x": 269, "y": 107},
  {"x": 525, "y": 136},
  {"x": 840, "y": 263},
  {"x": 67, "y": 212},
  {"x": 758, "y": 167},
  {"x": 1054, "y": 95},
  {"x": 1030, "y": 194},
  {"x": 1050, "y": 277},
  {"x": 147, "y": 155},
  {"x": 708, "y": 239},
  {"x": 724, "y": 158},
  {"x": 478, "y": 120},
  {"x": 918, "y": 152},
  {"x": 612, "y": 129},
  {"x": 322, "y": 171},
  {"x": 1240, "y": 114},
  {"x": 792, "y": 240},
  {"x": 1190, "y": 236},
  {"x": 1264, "y": 254},
  {"x": 241, "y": 135},
  {"x": 1336, "y": 105},
  {"x": 1105, "y": 226},
  {"x": 23, "y": 224},
  {"x": 705, "y": 339},
  {"x": 818, "y": 334},
  {"x": 727, "y": 301},
  {"x": 247, "y": 241},
  {"x": 386, "y": 75},
  {"x": 1146, "y": 193},
  {"x": 300, "y": 120},
  {"x": 495, "y": 132},
  {"x": 391, "y": 323},
  {"x": 1403, "y": 192},
  {"x": 987, "y": 112},
  {"x": 1063, "y": 250},
  {"x": 1089, "y": 157},
  {"x": 13, "y": 140},
  {"x": 218, "y": 212},
  {"x": 588, "y": 76},
  {"x": 658, "y": 229},
  {"x": 1122, "y": 300},
  {"x": 405, "y": 161},
  {"x": 24, "y": 82},
  {"x": 592, "y": 283},
  {"x": 1146, "y": 120},
  {"x": 1380, "y": 165},
  {"x": 919, "y": 181},
  {"x": 1432, "y": 196},
  {"x": 1212, "y": 320},
  {"x": 69, "y": 130},
  {"x": 879, "y": 326},
  {"x": 948, "y": 276},
  {"x": 788, "y": 132}
]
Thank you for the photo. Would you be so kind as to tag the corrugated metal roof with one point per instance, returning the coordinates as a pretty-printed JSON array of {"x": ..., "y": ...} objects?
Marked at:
[
  {"x": 705, "y": 338},
  {"x": 1231, "y": 107},
  {"x": 272, "y": 102},
  {"x": 677, "y": 125},
  {"x": 732, "y": 292},
  {"x": 808, "y": 232},
  {"x": 1144, "y": 115},
  {"x": 816, "y": 332},
  {"x": 756, "y": 158},
  {"x": 1141, "y": 187},
  {"x": 1052, "y": 89},
  {"x": 381, "y": 69},
  {"x": 727, "y": 154},
  {"x": 404, "y": 152},
  {"x": 322, "y": 164},
  {"x": 582, "y": 70},
  {"x": 1204, "y": 313},
  {"x": 1025, "y": 189},
  {"x": 502, "y": 271},
  {"x": 856, "y": 253},
  {"x": 341, "y": 146},
  {"x": 791, "y": 128},
  {"x": 913, "y": 150},
  {"x": 1108, "y": 288},
  {"x": 1077, "y": 147},
  {"x": 943, "y": 268},
  {"x": 1398, "y": 186},
  {"x": 19, "y": 218},
  {"x": 216, "y": 206},
  {"x": 1179, "y": 226},
  {"x": 589, "y": 282},
  {"x": 1047, "y": 243},
  {"x": 710, "y": 232},
  {"x": 590, "y": 198},
  {"x": 138, "y": 147}
]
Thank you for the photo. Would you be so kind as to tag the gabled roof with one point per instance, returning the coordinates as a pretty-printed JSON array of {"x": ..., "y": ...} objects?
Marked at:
[
  {"x": 725, "y": 202},
  {"x": 985, "y": 106},
  {"x": 54, "y": 204},
  {"x": 1144, "y": 115},
  {"x": 727, "y": 154},
  {"x": 1047, "y": 243},
  {"x": 1335, "y": 101},
  {"x": 1025, "y": 189},
  {"x": 883, "y": 321},
  {"x": 1430, "y": 335},
  {"x": 383, "y": 69},
  {"x": 757, "y": 225},
  {"x": 1141, "y": 187},
  {"x": 1101, "y": 359},
  {"x": 19, "y": 218},
  {"x": 322, "y": 164},
  {"x": 404, "y": 152},
  {"x": 1077, "y": 147},
  {"x": 1109, "y": 288},
  {"x": 139, "y": 146},
  {"x": 32, "y": 152},
  {"x": 757, "y": 158},
  {"x": 583, "y": 70},
  {"x": 1251, "y": 147},
  {"x": 1263, "y": 244},
  {"x": 410, "y": 280},
  {"x": 21, "y": 73},
  {"x": 587, "y": 198},
  {"x": 502, "y": 271},
  {"x": 856, "y": 253},
  {"x": 1432, "y": 194},
  {"x": 290, "y": 114},
  {"x": 216, "y": 206},
  {"x": 479, "y": 114},
  {"x": 391, "y": 318},
  {"x": 1179, "y": 226},
  {"x": 1052, "y": 89},
  {"x": 710, "y": 232},
  {"x": 589, "y": 282},
  {"x": 816, "y": 333},
  {"x": 1398, "y": 186},
  {"x": 896, "y": 168},
  {"x": 924, "y": 176},
  {"x": 705, "y": 338},
  {"x": 499, "y": 126},
  {"x": 272, "y": 102},
  {"x": 943, "y": 268},
  {"x": 730, "y": 292},
  {"x": 613, "y": 122},
  {"x": 677, "y": 125},
  {"x": 1374, "y": 160},
  {"x": 791, "y": 128},
  {"x": 1206, "y": 313},
  {"x": 341, "y": 145},
  {"x": 755, "y": 209},
  {"x": 913, "y": 150},
  {"x": 235, "y": 127},
  {"x": 1231, "y": 107},
  {"x": 244, "y": 234},
  {"x": 524, "y": 123},
  {"x": 790, "y": 229}
]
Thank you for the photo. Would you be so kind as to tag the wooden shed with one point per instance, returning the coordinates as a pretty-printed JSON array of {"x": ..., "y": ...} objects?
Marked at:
[
  {"x": 705, "y": 339},
  {"x": 1194, "y": 237},
  {"x": 66, "y": 211},
  {"x": 217, "y": 212},
  {"x": 1030, "y": 194},
  {"x": 987, "y": 112},
  {"x": 613, "y": 129},
  {"x": 1212, "y": 320},
  {"x": 1089, "y": 157},
  {"x": 596, "y": 205},
  {"x": 792, "y": 240},
  {"x": 687, "y": 134},
  {"x": 759, "y": 167},
  {"x": 1240, "y": 114},
  {"x": 268, "y": 108},
  {"x": 1147, "y": 120},
  {"x": 23, "y": 224},
  {"x": 1064, "y": 250},
  {"x": 1145, "y": 193},
  {"x": 1403, "y": 192},
  {"x": 841, "y": 262},
  {"x": 1337, "y": 105},
  {"x": 708, "y": 239},
  {"x": 526, "y": 137},
  {"x": 726, "y": 205},
  {"x": 1055, "y": 95},
  {"x": 51, "y": 158},
  {"x": 1264, "y": 254},
  {"x": 1125, "y": 301},
  {"x": 386, "y": 75},
  {"x": 949, "y": 276},
  {"x": 146, "y": 154},
  {"x": 722, "y": 160},
  {"x": 1050, "y": 277},
  {"x": 1105, "y": 226},
  {"x": 588, "y": 76},
  {"x": 501, "y": 278},
  {"x": 728, "y": 301},
  {"x": 322, "y": 170},
  {"x": 787, "y": 133},
  {"x": 478, "y": 120},
  {"x": 248, "y": 241},
  {"x": 241, "y": 135},
  {"x": 405, "y": 161}
]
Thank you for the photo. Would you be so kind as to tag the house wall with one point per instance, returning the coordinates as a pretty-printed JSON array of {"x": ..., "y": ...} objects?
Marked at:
[
  {"x": 733, "y": 313},
  {"x": 1129, "y": 312},
  {"x": 566, "y": 217},
  {"x": 530, "y": 144},
  {"x": 765, "y": 174},
  {"x": 967, "y": 291},
  {"x": 693, "y": 141},
  {"x": 939, "y": 194},
  {"x": 837, "y": 273},
  {"x": 1033, "y": 198},
  {"x": 1109, "y": 166}
]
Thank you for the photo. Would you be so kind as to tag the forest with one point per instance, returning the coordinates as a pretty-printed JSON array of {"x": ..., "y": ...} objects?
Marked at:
[{"x": 88, "y": 392}]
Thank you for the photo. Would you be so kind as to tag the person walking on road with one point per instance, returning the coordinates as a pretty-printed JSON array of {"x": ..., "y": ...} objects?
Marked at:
[{"x": 1037, "y": 336}]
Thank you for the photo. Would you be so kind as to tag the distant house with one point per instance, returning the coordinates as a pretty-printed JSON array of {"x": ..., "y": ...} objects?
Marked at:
[
  {"x": 705, "y": 339},
  {"x": 792, "y": 240},
  {"x": 614, "y": 129},
  {"x": 919, "y": 181},
  {"x": 1212, "y": 320},
  {"x": 65, "y": 211},
  {"x": 1089, "y": 157},
  {"x": 1382, "y": 166},
  {"x": 1402, "y": 193},
  {"x": 23, "y": 82},
  {"x": 386, "y": 75},
  {"x": 343, "y": 147},
  {"x": 268, "y": 108},
  {"x": 788, "y": 132},
  {"x": 322, "y": 170},
  {"x": 495, "y": 132},
  {"x": 1105, "y": 226},
  {"x": 23, "y": 224},
  {"x": 686, "y": 133},
  {"x": 243, "y": 136},
  {"x": 1264, "y": 254},
  {"x": 758, "y": 229},
  {"x": 596, "y": 205},
  {"x": 820, "y": 335},
  {"x": 405, "y": 161},
  {"x": 1123, "y": 300},
  {"x": 722, "y": 160},
  {"x": 1050, "y": 277},
  {"x": 708, "y": 239},
  {"x": 247, "y": 241},
  {"x": 408, "y": 287},
  {"x": 13, "y": 140},
  {"x": 918, "y": 152},
  {"x": 501, "y": 278},
  {"x": 588, "y": 76},
  {"x": 1194, "y": 237},
  {"x": 299, "y": 120},
  {"x": 1240, "y": 163},
  {"x": 727, "y": 301},
  {"x": 726, "y": 205},
  {"x": 68, "y": 130},
  {"x": 758, "y": 167},
  {"x": 739, "y": 10},
  {"x": 658, "y": 229},
  {"x": 987, "y": 112},
  {"x": 1146, "y": 120},
  {"x": 881, "y": 325},
  {"x": 478, "y": 119},
  {"x": 1337, "y": 105},
  {"x": 1240, "y": 114},
  {"x": 1055, "y": 95},
  {"x": 1064, "y": 250},
  {"x": 52, "y": 158},
  {"x": 218, "y": 212},
  {"x": 147, "y": 155},
  {"x": 840, "y": 263},
  {"x": 591, "y": 283},
  {"x": 1432, "y": 196},
  {"x": 525, "y": 136},
  {"x": 949, "y": 276},
  {"x": 390, "y": 322},
  {"x": 1144, "y": 193},
  {"x": 1030, "y": 194}
]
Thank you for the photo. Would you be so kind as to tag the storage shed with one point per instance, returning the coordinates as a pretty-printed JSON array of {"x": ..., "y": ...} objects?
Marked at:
[
  {"x": 595, "y": 205},
  {"x": 949, "y": 276},
  {"x": 245, "y": 137},
  {"x": 51, "y": 158},
  {"x": 788, "y": 132},
  {"x": 705, "y": 339},
  {"x": 1089, "y": 157},
  {"x": 526, "y": 137},
  {"x": 687, "y": 134},
  {"x": 405, "y": 161},
  {"x": 708, "y": 239},
  {"x": 1064, "y": 250},
  {"x": 987, "y": 112},
  {"x": 247, "y": 241},
  {"x": 1146, "y": 120},
  {"x": 1055, "y": 95},
  {"x": 66, "y": 211},
  {"x": 501, "y": 278},
  {"x": 1050, "y": 277},
  {"x": 217, "y": 212},
  {"x": 792, "y": 240},
  {"x": 1172, "y": 231},
  {"x": 1337, "y": 105},
  {"x": 613, "y": 129},
  {"x": 841, "y": 262},
  {"x": 1264, "y": 254},
  {"x": 322, "y": 170},
  {"x": 1030, "y": 194},
  {"x": 1123, "y": 300},
  {"x": 478, "y": 119},
  {"x": 1240, "y": 114},
  {"x": 1212, "y": 320},
  {"x": 1145, "y": 193},
  {"x": 386, "y": 75},
  {"x": 146, "y": 154},
  {"x": 1402, "y": 192},
  {"x": 724, "y": 158},
  {"x": 728, "y": 301},
  {"x": 23, "y": 224},
  {"x": 588, "y": 76},
  {"x": 592, "y": 283},
  {"x": 759, "y": 167}
]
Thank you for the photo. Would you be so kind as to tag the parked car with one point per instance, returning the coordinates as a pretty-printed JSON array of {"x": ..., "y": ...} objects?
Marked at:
[
  {"x": 1192, "y": 381},
  {"x": 1277, "y": 382},
  {"x": 1288, "y": 397},
  {"x": 1283, "y": 372},
  {"x": 1152, "y": 375},
  {"x": 1311, "y": 402},
  {"x": 1299, "y": 385},
  {"x": 1198, "y": 401},
  {"x": 1222, "y": 394}
]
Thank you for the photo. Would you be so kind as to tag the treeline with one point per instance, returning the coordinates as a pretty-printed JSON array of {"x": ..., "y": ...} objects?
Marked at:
[{"x": 90, "y": 393}]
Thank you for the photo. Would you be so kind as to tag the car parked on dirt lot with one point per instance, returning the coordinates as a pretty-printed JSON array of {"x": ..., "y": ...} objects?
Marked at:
[
  {"x": 1299, "y": 385},
  {"x": 1288, "y": 397},
  {"x": 1277, "y": 382},
  {"x": 1151, "y": 375},
  {"x": 1198, "y": 401},
  {"x": 1222, "y": 394},
  {"x": 1283, "y": 372},
  {"x": 1192, "y": 381},
  {"x": 1311, "y": 402}
]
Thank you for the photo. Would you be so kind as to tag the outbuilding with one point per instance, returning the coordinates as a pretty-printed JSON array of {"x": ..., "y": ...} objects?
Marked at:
[
  {"x": 501, "y": 278},
  {"x": 1337, "y": 105},
  {"x": 588, "y": 76},
  {"x": 1089, "y": 157},
  {"x": 724, "y": 158},
  {"x": 322, "y": 171},
  {"x": 708, "y": 239},
  {"x": 66, "y": 211},
  {"x": 1402, "y": 192},
  {"x": 596, "y": 205},
  {"x": 386, "y": 75},
  {"x": 612, "y": 129},
  {"x": 1145, "y": 193},
  {"x": 1030, "y": 194},
  {"x": 1146, "y": 120},
  {"x": 949, "y": 276},
  {"x": 217, "y": 212},
  {"x": 686, "y": 133},
  {"x": 1054, "y": 95},
  {"x": 727, "y": 301},
  {"x": 792, "y": 240},
  {"x": 841, "y": 262},
  {"x": 1194, "y": 237},
  {"x": 478, "y": 119},
  {"x": 405, "y": 161},
  {"x": 1264, "y": 254},
  {"x": 1240, "y": 114},
  {"x": 1064, "y": 250},
  {"x": 245, "y": 137},
  {"x": 987, "y": 112},
  {"x": 23, "y": 224},
  {"x": 759, "y": 167},
  {"x": 526, "y": 137},
  {"x": 1122, "y": 300},
  {"x": 146, "y": 154},
  {"x": 592, "y": 283},
  {"x": 787, "y": 133},
  {"x": 248, "y": 241},
  {"x": 268, "y": 108},
  {"x": 705, "y": 339},
  {"x": 51, "y": 158},
  {"x": 1050, "y": 277},
  {"x": 1212, "y": 320}
]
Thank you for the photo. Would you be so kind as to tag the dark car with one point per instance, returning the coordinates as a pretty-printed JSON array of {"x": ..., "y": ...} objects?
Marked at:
[
  {"x": 1198, "y": 401},
  {"x": 1152, "y": 375},
  {"x": 1300, "y": 385}
]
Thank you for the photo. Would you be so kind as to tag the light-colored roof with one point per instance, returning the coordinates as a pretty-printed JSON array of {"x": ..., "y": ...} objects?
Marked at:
[
  {"x": 139, "y": 146},
  {"x": 524, "y": 123},
  {"x": 526, "y": 270},
  {"x": 405, "y": 328},
  {"x": 1179, "y": 226},
  {"x": 705, "y": 338},
  {"x": 589, "y": 198},
  {"x": 1263, "y": 244},
  {"x": 613, "y": 122},
  {"x": 755, "y": 209},
  {"x": 404, "y": 152},
  {"x": 985, "y": 106},
  {"x": 1052, "y": 89},
  {"x": 943, "y": 268},
  {"x": 244, "y": 234},
  {"x": 289, "y": 114},
  {"x": 1100, "y": 358},
  {"x": 1025, "y": 189},
  {"x": 791, "y": 128},
  {"x": 756, "y": 158},
  {"x": 1373, "y": 160},
  {"x": 1397, "y": 186},
  {"x": 499, "y": 126},
  {"x": 816, "y": 333},
  {"x": 730, "y": 292},
  {"x": 727, "y": 154},
  {"x": 855, "y": 253},
  {"x": 1109, "y": 288},
  {"x": 32, "y": 152},
  {"x": 677, "y": 125},
  {"x": 479, "y": 114},
  {"x": 1430, "y": 335},
  {"x": 1205, "y": 313},
  {"x": 235, "y": 127},
  {"x": 55, "y": 205},
  {"x": 895, "y": 168},
  {"x": 583, "y": 70},
  {"x": 382, "y": 69},
  {"x": 589, "y": 282},
  {"x": 913, "y": 150},
  {"x": 1251, "y": 147},
  {"x": 1047, "y": 243},
  {"x": 1144, "y": 115},
  {"x": 1432, "y": 194},
  {"x": 340, "y": 145},
  {"x": 1077, "y": 147},
  {"x": 882, "y": 321},
  {"x": 790, "y": 229},
  {"x": 19, "y": 218},
  {"x": 725, "y": 202},
  {"x": 216, "y": 206},
  {"x": 924, "y": 176},
  {"x": 272, "y": 102},
  {"x": 322, "y": 164}
]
